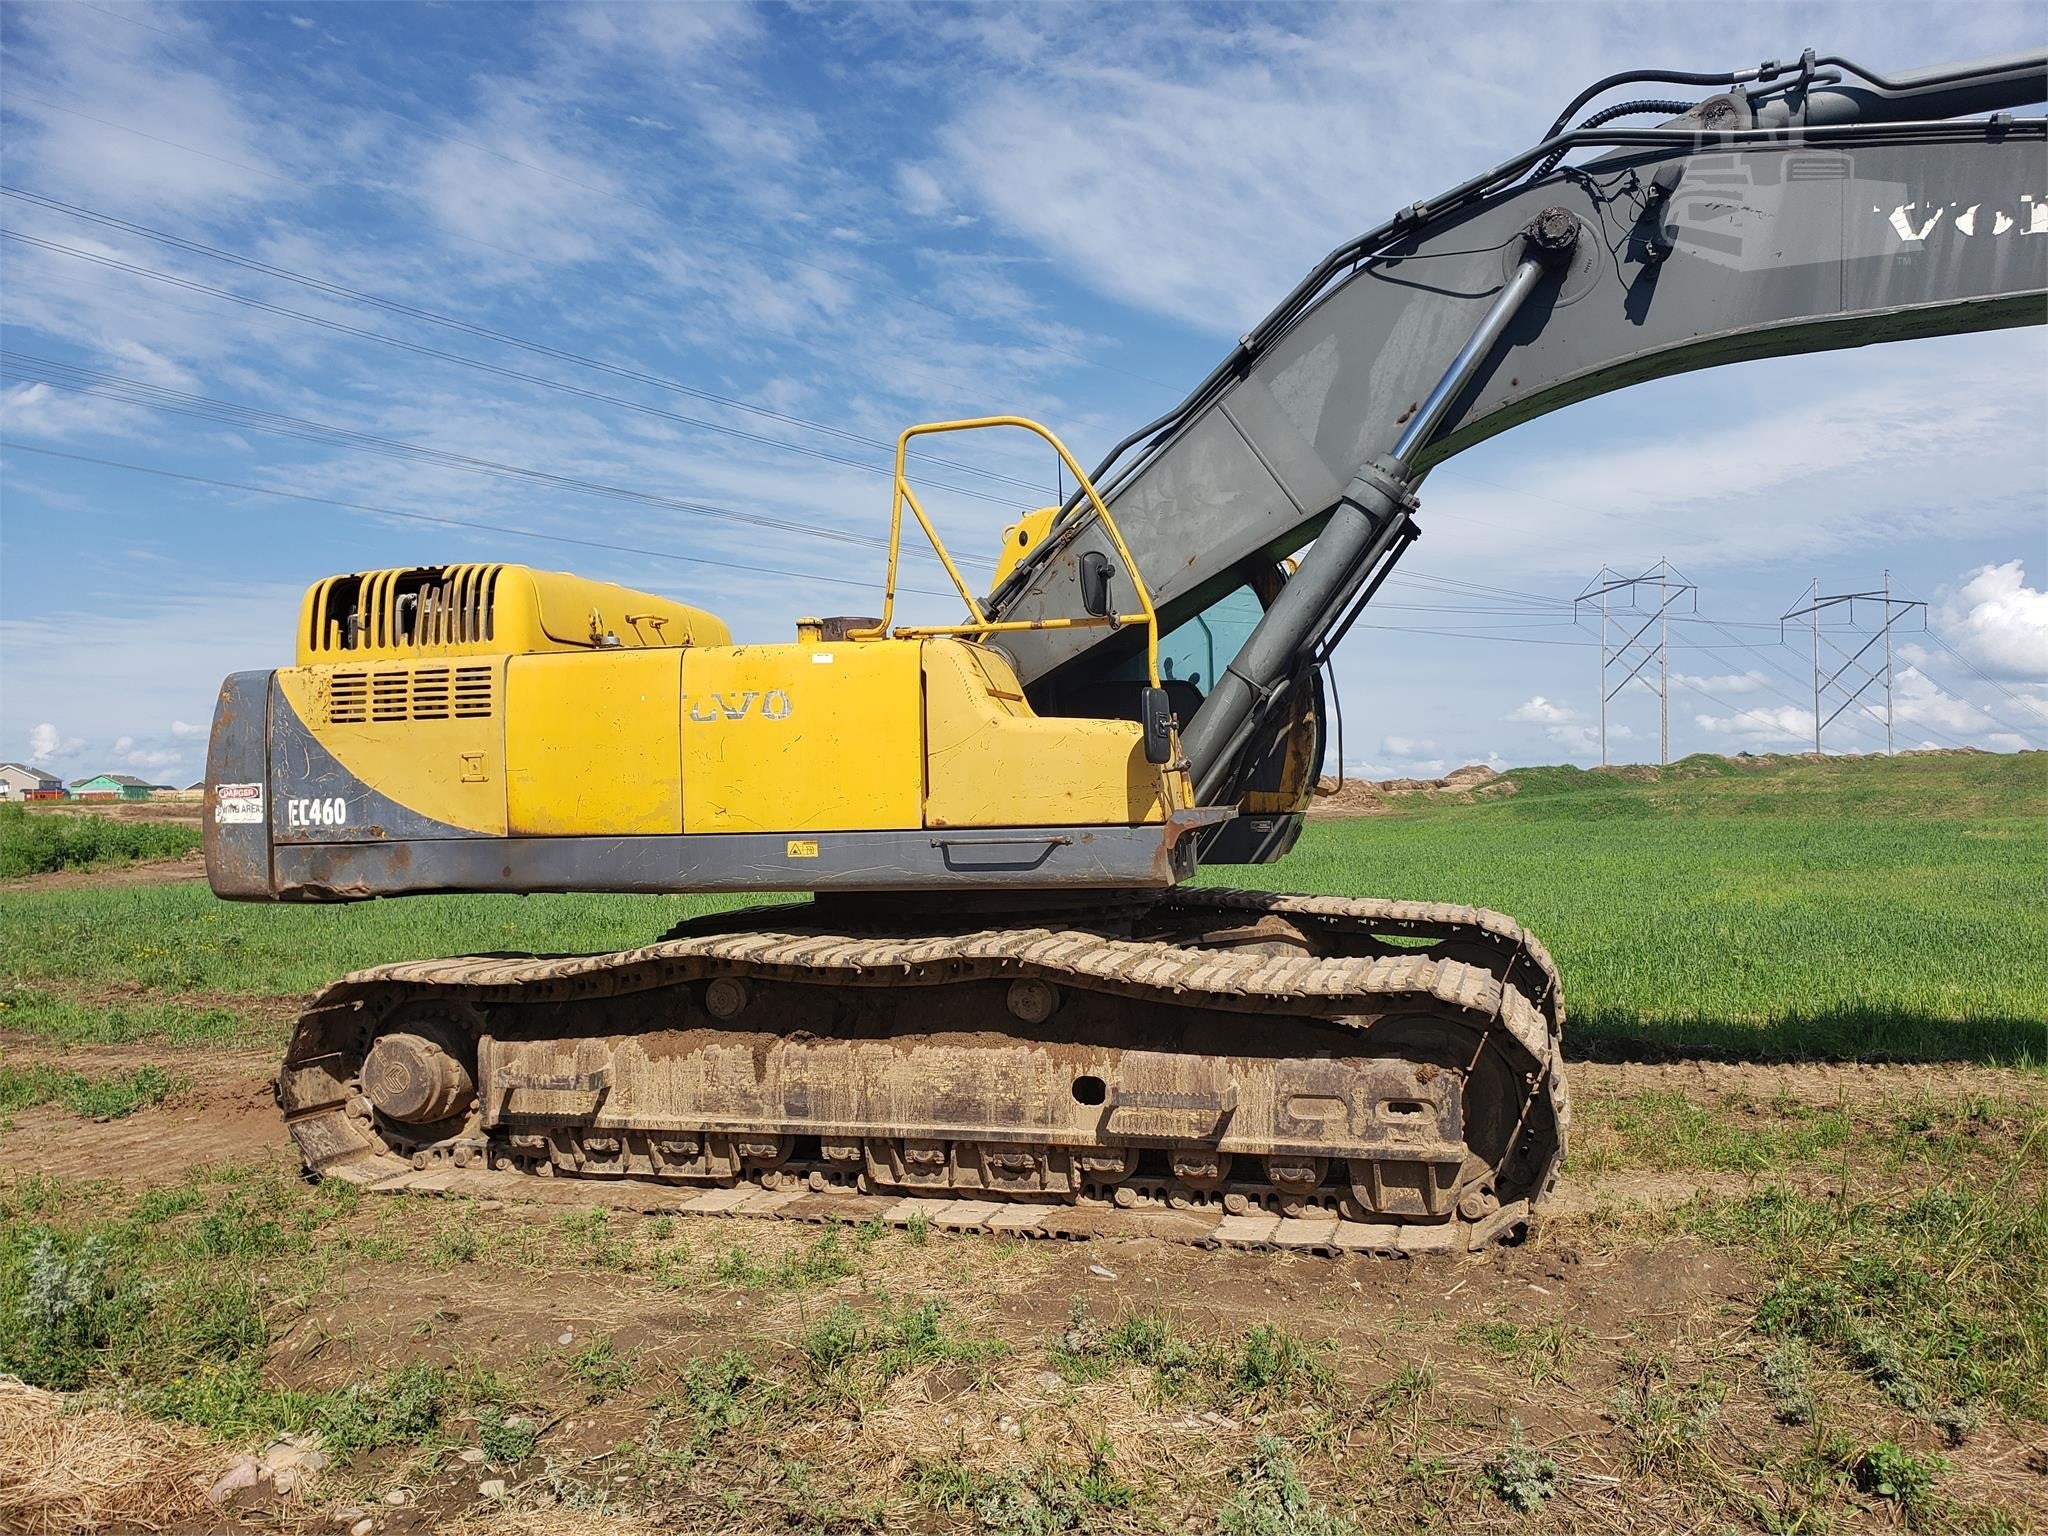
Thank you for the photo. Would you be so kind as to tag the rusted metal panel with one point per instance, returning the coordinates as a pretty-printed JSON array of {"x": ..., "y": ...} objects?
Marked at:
[{"x": 234, "y": 821}]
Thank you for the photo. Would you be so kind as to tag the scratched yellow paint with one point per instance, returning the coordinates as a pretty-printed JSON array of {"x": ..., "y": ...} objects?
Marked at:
[
  {"x": 803, "y": 738},
  {"x": 449, "y": 769},
  {"x": 592, "y": 744},
  {"x": 991, "y": 762}
]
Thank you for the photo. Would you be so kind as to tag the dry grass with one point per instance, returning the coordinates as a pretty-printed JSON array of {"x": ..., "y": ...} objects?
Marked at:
[{"x": 63, "y": 1471}]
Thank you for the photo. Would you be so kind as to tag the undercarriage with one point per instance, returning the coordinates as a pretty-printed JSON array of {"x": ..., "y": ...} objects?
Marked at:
[{"x": 1207, "y": 1066}]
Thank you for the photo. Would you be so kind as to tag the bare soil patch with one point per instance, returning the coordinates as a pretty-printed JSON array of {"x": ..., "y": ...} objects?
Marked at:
[
  {"x": 191, "y": 866},
  {"x": 227, "y": 1115},
  {"x": 123, "y": 810},
  {"x": 1374, "y": 797}
]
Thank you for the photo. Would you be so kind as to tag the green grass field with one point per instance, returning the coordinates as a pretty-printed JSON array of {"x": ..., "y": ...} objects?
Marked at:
[
  {"x": 32, "y": 845},
  {"x": 1855, "y": 908},
  {"x": 1858, "y": 909}
]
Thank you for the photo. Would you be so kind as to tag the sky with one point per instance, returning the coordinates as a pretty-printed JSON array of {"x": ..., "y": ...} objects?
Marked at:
[{"x": 646, "y": 292}]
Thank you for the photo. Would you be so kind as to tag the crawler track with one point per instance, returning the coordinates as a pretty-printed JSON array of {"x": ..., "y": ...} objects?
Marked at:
[{"x": 1214, "y": 1067}]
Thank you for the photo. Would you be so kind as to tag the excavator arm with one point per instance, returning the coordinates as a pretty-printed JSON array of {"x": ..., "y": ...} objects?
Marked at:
[{"x": 1799, "y": 208}]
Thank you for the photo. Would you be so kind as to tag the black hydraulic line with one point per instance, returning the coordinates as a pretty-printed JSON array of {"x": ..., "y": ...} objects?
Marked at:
[
  {"x": 1367, "y": 521},
  {"x": 1654, "y": 77},
  {"x": 1607, "y": 115}
]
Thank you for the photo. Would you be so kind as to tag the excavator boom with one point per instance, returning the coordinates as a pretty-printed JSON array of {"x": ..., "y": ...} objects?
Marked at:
[{"x": 1805, "y": 207}]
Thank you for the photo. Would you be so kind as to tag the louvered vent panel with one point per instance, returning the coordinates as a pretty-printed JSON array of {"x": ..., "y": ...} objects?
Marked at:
[
  {"x": 430, "y": 693},
  {"x": 388, "y": 696},
  {"x": 472, "y": 692},
  {"x": 347, "y": 697}
]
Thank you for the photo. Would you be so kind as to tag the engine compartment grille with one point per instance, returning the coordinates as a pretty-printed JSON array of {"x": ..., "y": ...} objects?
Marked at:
[
  {"x": 435, "y": 605},
  {"x": 390, "y": 695}
]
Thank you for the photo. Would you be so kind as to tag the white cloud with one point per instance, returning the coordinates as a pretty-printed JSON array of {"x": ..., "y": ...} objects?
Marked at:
[
  {"x": 1586, "y": 738},
  {"x": 1541, "y": 711},
  {"x": 1998, "y": 621},
  {"x": 117, "y": 88},
  {"x": 1767, "y": 723},
  {"x": 1918, "y": 700},
  {"x": 123, "y": 743},
  {"x": 46, "y": 743},
  {"x": 37, "y": 410},
  {"x": 180, "y": 728},
  {"x": 924, "y": 195},
  {"x": 153, "y": 758},
  {"x": 1406, "y": 746},
  {"x": 1726, "y": 682}
]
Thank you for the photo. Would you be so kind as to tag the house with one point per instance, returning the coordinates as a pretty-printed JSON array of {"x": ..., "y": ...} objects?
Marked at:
[
  {"x": 113, "y": 786},
  {"x": 18, "y": 781}
]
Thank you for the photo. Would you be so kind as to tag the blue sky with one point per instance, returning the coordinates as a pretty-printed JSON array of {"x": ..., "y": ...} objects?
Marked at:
[{"x": 776, "y": 236}]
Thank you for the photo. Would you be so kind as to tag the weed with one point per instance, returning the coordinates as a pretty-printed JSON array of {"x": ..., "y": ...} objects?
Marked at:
[
  {"x": 1520, "y": 1475},
  {"x": 851, "y": 1352},
  {"x": 1037, "y": 1500},
  {"x": 1405, "y": 1388},
  {"x": 1273, "y": 1365},
  {"x": 721, "y": 1395},
  {"x": 401, "y": 1408},
  {"x": 505, "y": 1439},
  {"x": 1540, "y": 1351},
  {"x": 1271, "y": 1499},
  {"x": 590, "y": 1234},
  {"x": 36, "y": 844},
  {"x": 820, "y": 1263},
  {"x": 1666, "y": 1422},
  {"x": 458, "y": 1242},
  {"x": 1934, "y": 1301},
  {"x": 1885, "y": 1471},
  {"x": 603, "y": 1371},
  {"x": 61, "y": 1292},
  {"x": 1788, "y": 1378},
  {"x": 918, "y": 1228}
]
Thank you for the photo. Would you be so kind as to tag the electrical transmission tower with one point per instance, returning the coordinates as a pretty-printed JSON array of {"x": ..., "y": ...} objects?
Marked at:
[
  {"x": 1621, "y": 601},
  {"x": 1892, "y": 609}
]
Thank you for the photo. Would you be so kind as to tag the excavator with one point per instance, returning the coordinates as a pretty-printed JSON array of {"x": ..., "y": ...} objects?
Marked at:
[{"x": 987, "y": 996}]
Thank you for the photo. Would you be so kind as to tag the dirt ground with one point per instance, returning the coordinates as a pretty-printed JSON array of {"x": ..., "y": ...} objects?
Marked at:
[
  {"x": 181, "y": 809},
  {"x": 191, "y": 866}
]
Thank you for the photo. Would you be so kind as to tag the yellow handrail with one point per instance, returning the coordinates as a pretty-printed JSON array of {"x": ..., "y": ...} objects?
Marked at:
[{"x": 981, "y": 624}]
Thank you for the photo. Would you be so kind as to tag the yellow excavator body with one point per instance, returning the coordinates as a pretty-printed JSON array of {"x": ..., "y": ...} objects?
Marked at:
[{"x": 544, "y": 722}]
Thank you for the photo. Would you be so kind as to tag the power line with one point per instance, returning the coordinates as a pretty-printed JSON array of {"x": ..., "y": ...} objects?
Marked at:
[
  {"x": 193, "y": 286},
  {"x": 543, "y": 349},
  {"x": 1990, "y": 682},
  {"x": 103, "y": 385},
  {"x": 452, "y": 522}
]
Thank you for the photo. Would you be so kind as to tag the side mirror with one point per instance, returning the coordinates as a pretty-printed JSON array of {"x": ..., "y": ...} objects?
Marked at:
[
  {"x": 1156, "y": 715},
  {"x": 1096, "y": 572}
]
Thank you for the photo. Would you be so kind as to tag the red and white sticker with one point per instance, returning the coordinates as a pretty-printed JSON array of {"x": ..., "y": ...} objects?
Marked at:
[{"x": 238, "y": 804}]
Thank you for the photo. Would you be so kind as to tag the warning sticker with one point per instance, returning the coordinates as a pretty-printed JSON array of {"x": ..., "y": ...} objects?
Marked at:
[
  {"x": 237, "y": 804},
  {"x": 802, "y": 848}
]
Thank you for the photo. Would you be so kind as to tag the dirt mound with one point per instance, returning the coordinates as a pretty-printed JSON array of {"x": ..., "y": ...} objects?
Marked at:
[{"x": 1370, "y": 797}]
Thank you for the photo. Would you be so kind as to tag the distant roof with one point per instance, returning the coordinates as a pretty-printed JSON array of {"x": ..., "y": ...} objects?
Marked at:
[
  {"x": 41, "y": 773},
  {"x": 125, "y": 780}
]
